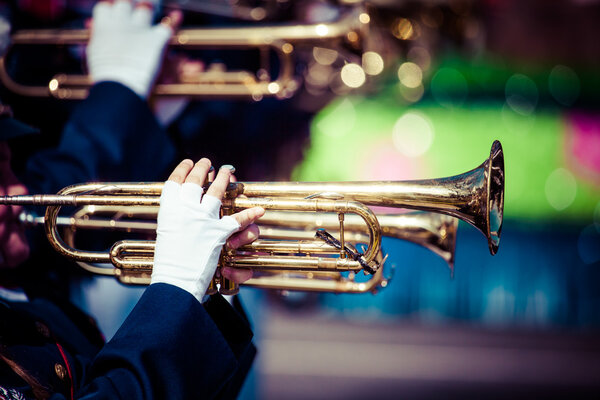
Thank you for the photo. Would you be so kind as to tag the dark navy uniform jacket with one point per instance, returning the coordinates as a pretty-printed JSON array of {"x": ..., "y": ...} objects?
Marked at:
[
  {"x": 169, "y": 347},
  {"x": 111, "y": 136}
]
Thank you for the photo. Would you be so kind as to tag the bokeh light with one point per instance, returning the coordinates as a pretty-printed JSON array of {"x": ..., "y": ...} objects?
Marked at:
[
  {"x": 273, "y": 87},
  {"x": 411, "y": 95},
  {"x": 413, "y": 134},
  {"x": 561, "y": 189},
  {"x": 353, "y": 75},
  {"x": 53, "y": 84},
  {"x": 372, "y": 63},
  {"x": 324, "y": 56},
  {"x": 410, "y": 75},
  {"x": 258, "y": 13},
  {"x": 403, "y": 29},
  {"x": 521, "y": 94},
  {"x": 564, "y": 85},
  {"x": 352, "y": 37},
  {"x": 449, "y": 87},
  {"x": 321, "y": 29}
]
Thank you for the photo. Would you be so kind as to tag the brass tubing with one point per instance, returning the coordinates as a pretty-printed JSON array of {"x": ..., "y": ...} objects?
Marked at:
[
  {"x": 216, "y": 37},
  {"x": 336, "y": 284},
  {"x": 209, "y": 84},
  {"x": 314, "y": 281},
  {"x": 436, "y": 232},
  {"x": 69, "y": 196},
  {"x": 320, "y": 205},
  {"x": 291, "y": 263},
  {"x": 289, "y": 246}
]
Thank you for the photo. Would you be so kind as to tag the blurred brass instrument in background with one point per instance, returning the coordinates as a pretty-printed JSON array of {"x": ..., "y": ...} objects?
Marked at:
[
  {"x": 476, "y": 197},
  {"x": 215, "y": 81}
]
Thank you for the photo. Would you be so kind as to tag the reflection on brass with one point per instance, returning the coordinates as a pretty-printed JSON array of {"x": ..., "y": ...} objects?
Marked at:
[
  {"x": 215, "y": 81},
  {"x": 436, "y": 232},
  {"x": 476, "y": 197}
]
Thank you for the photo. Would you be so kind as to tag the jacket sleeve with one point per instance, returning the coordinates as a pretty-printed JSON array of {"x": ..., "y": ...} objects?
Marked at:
[
  {"x": 235, "y": 328},
  {"x": 169, "y": 347},
  {"x": 111, "y": 136}
]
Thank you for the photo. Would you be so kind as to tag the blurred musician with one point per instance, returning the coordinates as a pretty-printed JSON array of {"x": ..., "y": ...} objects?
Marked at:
[{"x": 176, "y": 343}]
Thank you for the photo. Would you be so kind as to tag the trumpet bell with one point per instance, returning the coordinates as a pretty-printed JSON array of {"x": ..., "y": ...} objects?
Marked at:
[
  {"x": 476, "y": 196},
  {"x": 495, "y": 195}
]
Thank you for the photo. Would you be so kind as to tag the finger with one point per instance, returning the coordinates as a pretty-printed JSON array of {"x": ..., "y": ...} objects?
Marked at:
[
  {"x": 198, "y": 174},
  {"x": 143, "y": 14},
  {"x": 211, "y": 174},
  {"x": 238, "y": 275},
  {"x": 121, "y": 10},
  {"x": 248, "y": 216},
  {"x": 101, "y": 11},
  {"x": 181, "y": 171},
  {"x": 173, "y": 20},
  {"x": 245, "y": 236},
  {"x": 219, "y": 185}
]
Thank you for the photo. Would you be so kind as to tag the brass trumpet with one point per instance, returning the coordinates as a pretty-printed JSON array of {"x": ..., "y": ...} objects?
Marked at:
[
  {"x": 476, "y": 197},
  {"x": 215, "y": 82}
]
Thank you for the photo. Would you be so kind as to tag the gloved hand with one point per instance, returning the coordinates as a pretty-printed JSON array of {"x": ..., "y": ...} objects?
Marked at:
[
  {"x": 124, "y": 46},
  {"x": 190, "y": 233}
]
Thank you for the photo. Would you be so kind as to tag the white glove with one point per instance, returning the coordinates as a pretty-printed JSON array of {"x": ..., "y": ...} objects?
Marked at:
[
  {"x": 125, "y": 47},
  {"x": 189, "y": 237}
]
